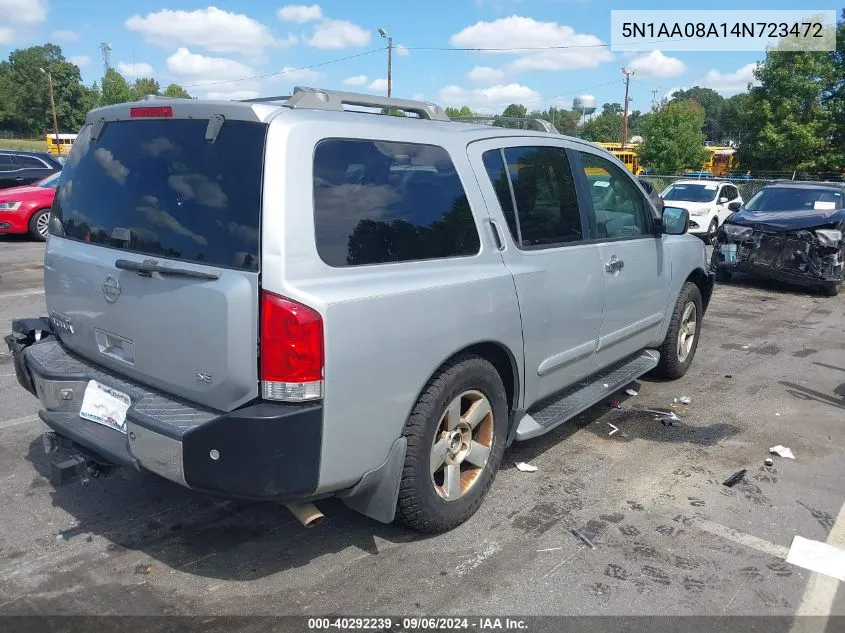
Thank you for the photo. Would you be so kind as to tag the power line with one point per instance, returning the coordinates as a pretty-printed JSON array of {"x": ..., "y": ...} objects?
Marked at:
[
  {"x": 534, "y": 48},
  {"x": 285, "y": 72}
]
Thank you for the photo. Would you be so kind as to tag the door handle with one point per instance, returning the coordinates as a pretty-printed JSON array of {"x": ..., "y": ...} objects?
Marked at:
[
  {"x": 497, "y": 236},
  {"x": 614, "y": 265}
]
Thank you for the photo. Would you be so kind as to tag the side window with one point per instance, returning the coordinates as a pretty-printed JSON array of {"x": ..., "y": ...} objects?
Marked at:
[
  {"x": 6, "y": 163},
  {"x": 732, "y": 194},
  {"x": 541, "y": 182},
  {"x": 378, "y": 201},
  {"x": 619, "y": 209},
  {"x": 498, "y": 174},
  {"x": 29, "y": 162}
]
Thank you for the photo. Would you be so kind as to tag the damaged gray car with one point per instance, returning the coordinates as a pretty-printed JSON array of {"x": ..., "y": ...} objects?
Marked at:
[{"x": 790, "y": 232}]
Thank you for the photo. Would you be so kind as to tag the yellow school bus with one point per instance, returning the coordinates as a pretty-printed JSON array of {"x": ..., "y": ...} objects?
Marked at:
[
  {"x": 721, "y": 160},
  {"x": 62, "y": 146},
  {"x": 628, "y": 155}
]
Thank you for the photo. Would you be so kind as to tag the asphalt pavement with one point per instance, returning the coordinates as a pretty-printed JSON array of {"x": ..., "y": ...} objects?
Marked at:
[{"x": 670, "y": 538}]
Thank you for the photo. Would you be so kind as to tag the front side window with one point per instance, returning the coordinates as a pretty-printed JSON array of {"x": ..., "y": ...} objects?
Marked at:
[
  {"x": 378, "y": 201},
  {"x": 619, "y": 208}
]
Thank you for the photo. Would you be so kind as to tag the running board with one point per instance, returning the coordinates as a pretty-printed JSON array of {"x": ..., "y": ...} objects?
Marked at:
[{"x": 566, "y": 404}]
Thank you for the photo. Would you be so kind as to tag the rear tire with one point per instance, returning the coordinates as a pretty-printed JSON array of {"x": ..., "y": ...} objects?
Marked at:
[
  {"x": 38, "y": 224},
  {"x": 678, "y": 348},
  {"x": 456, "y": 437}
]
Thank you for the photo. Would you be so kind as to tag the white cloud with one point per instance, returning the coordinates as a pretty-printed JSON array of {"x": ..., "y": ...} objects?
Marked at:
[
  {"x": 379, "y": 85},
  {"x": 234, "y": 95},
  {"x": 202, "y": 69},
  {"x": 418, "y": 96},
  {"x": 140, "y": 69},
  {"x": 492, "y": 99},
  {"x": 335, "y": 34},
  {"x": 80, "y": 60},
  {"x": 521, "y": 32},
  {"x": 656, "y": 64},
  {"x": 300, "y": 13},
  {"x": 485, "y": 75},
  {"x": 402, "y": 51},
  {"x": 6, "y": 35},
  {"x": 65, "y": 35},
  {"x": 300, "y": 75},
  {"x": 357, "y": 80},
  {"x": 729, "y": 83},
  {"x": 28, "y": 11},
  {"x": 212, "y": 28}
]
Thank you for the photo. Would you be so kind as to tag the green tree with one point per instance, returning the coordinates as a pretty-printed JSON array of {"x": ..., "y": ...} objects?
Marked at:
[
  {"x": 515, "y": 110},
  {"x": 115, "y": 88},
  {"x": 606, "y": 127},
  {"x": 24, "y": 93},
  {"x": 612, "y": 108},
  {"x": 145, "y": 86},
  {"x": 715, "y": 109},
  {"x": 463, "y": 111},
  {"x": 673, "y": 140},
  {"x": 635, "y": 123},
  {"x": 176, "y": 91}
]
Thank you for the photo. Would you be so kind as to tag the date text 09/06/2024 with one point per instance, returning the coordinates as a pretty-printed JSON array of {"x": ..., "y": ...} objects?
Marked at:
[{"x": 417, "y": 624}]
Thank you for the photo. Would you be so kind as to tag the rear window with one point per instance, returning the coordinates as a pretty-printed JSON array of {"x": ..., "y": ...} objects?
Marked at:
[
  {"x": 691, "y": 192},
  {"x": 157, "y": 187},
  {"x": 379, "y": 201}
]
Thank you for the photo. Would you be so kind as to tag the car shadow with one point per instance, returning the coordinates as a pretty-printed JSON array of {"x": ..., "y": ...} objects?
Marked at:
[
  {"x": 204, "y": 535},
  {"x": 801, "y": 392},
  {"x": 753, "y": 282}
]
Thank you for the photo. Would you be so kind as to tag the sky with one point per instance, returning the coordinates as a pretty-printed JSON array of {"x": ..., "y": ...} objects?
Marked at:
[{"x": 244, "y": 49}]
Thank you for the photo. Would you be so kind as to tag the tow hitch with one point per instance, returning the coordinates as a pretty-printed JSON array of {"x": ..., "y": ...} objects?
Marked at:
[{"x": 69, "y": 463}]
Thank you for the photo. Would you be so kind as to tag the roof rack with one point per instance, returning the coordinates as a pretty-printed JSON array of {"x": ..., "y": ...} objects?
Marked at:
[
  {"x": 539, "y": 125},
  {"x": 318, "y": 99}
]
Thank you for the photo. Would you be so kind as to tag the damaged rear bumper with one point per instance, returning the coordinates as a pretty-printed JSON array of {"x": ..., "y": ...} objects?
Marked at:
[
  {"x": 260, "y": 451},
  {"x": 794, "y": 257}
]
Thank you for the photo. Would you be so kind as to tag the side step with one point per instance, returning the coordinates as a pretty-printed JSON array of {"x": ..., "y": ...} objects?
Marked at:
[{"x": 564, "y": 405}]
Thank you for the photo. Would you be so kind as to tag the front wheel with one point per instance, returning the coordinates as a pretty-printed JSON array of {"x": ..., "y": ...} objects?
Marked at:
[
  {"x": 830, "y": 290},
  {"x": 456, "y": 437},
  {"x": 710, "y": 236},
  {"x": 678, "y": 348}
]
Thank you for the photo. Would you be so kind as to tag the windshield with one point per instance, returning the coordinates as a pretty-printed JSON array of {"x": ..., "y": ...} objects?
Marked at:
[
  {"x": 796, "y": 199},
  {"x": 49, "y": 182},
  {"x": 157, "y": 187},
  {"x": 690, "y": 192}
]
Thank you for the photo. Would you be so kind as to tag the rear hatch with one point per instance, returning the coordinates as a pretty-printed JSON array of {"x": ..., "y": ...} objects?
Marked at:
[{"x": 152, "y": 266}]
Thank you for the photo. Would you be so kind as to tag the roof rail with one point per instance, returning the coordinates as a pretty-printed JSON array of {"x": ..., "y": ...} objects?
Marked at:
[
  {"x": 334, "y": 100},
  {"x": 539, "y": 125}
]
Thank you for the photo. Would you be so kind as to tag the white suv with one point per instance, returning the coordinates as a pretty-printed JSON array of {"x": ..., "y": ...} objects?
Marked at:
[{"x": 709, "y": 204}]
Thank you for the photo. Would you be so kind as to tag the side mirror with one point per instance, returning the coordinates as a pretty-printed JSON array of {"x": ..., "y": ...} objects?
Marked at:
[
  {"x": 722, "y": 200},
  {"x": 675, "y": 220},
  {"x": 735, "y": 206}
]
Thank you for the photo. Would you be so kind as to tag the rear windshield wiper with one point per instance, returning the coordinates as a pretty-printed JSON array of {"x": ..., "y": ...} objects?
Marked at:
[{"x": 148, "y": 267}]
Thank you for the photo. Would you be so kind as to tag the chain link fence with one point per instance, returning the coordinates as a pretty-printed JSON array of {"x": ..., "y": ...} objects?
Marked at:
[{"x": 747, "y": 188}]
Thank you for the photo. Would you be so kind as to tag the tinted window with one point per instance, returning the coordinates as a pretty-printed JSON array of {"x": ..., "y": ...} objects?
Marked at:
[
  {"x": 379, "y": 201},
  {"x": 50, "y": 182},
  {"x": 731, "y": 193},
  {"x": 619, "y": 208},
  {"x": 6, "y": 163},
  {"x": 158, "y": 187},
  {"x": 692, "y": 192},
  {"x": 796, "y": 198},
  {"x": 495, "y": 166},
  {"x": 28, "y": 162},
  {"x": 546, "y": 204}
]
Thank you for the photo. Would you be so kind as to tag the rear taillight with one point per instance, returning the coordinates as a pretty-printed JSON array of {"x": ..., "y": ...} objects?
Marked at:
[
  {"x": 291, "y": 350},
  {"x": 150, "y": 112}
]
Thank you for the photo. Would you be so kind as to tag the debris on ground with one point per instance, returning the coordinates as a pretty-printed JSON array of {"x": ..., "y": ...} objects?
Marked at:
[
  {"x": 769, "y": 461},
  {"x": 729, "y": 375},
  {"x": 745, "y": 346},
  {"x": 61, "y": 537},
  {"x": 606, "y": 386},
  {"x": 782, "y": 451},
  {"x": 526, "y": 468},
  {"x": 613, "y": 404},
  {"x": 549, "y": 549},
  {"x": 819, "y": 557},
  {"x": 685, "y": 400},
  {"x": 145, "y": 569},
  {"x": 586, "y": 541},
  {"x": 615, "y": 429},
  {"x": 734, "y": 479},
  {"x": 777, "y": 414},
  {"x": 668, "y": 418},
  {"x": 632, "y": 392}
]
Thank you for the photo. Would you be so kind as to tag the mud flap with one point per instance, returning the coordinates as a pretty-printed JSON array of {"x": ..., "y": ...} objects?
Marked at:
[
  {"x": 26, "y": 332},
  {"x": 377, "y": 493}
]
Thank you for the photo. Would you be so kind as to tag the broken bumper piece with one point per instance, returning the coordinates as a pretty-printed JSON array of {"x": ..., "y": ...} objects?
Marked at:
[
  {"x": 796, "y": 257},
  {"x": 260, "y": 451}
]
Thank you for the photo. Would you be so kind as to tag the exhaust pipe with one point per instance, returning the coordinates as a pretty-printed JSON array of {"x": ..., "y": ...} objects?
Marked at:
[{"x": 306, "y": 513}]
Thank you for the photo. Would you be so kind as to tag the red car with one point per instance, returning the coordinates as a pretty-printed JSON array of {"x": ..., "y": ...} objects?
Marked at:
[{"x": 27, "y": 209}]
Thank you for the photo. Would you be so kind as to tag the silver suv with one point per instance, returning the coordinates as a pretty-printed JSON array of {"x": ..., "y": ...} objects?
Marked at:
[{"x": 286, "y": 300}]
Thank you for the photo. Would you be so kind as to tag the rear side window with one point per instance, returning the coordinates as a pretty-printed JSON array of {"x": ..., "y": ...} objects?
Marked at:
[
  {"x": 6, "y": 163},
  {"x": 380, "y": 201},
  {"x": 157, "y": 187},
  {"x": 28, "y": 162}
]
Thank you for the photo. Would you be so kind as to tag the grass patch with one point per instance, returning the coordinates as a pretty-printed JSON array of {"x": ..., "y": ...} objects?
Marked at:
[{"x": 29, "y": 145}]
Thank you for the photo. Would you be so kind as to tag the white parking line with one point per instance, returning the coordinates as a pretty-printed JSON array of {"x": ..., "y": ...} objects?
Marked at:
[
  {"x": 23, "y": 293},
  {"x": 821, "y": 590},
  {"x": 16, "y": 421},
  {"x": 767, "y": 547}
]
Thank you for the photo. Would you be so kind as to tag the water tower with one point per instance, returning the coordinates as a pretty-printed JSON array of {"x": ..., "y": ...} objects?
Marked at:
[{"x": 585, "y": 104}]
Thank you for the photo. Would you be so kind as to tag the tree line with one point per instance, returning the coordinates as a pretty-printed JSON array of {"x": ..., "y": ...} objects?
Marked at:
[{"x": 24, "y": 97}]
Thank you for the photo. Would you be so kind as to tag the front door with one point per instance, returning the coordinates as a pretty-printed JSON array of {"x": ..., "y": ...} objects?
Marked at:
[
  {"x": 635, "y": 267},
  {"x": 530, "y": 193}
]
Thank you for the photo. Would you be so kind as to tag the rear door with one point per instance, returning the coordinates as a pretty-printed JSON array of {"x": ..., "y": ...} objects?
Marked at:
[
  {"x": 529, "y": 189},
  {"x": 153, "y": 193},
  {"x": 10, "y": 175},
  {"x": 32, "y": 169}
]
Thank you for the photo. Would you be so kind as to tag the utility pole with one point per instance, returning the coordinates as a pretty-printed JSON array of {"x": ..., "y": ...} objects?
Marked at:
[
  {"x": 389, "y": 39},
  {"x": 53, "y": 107},
  {"x": 654, "y": 99},
  {"x": 627, "y": 72}
]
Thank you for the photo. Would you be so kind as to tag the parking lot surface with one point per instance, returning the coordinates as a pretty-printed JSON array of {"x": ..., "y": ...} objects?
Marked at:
[{"x": 670, "y": 538}]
